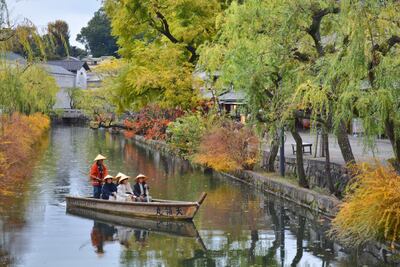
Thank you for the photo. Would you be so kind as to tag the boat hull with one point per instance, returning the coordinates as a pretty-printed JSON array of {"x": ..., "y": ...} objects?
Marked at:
[
  {"x": 158, "y": 209},
  {"x": 174, "y": 228}
]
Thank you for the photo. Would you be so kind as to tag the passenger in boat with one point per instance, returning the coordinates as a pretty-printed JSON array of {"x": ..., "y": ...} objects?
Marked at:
[
  {"x": 124, "y": 189},
  {"x": 97, "y": 173},
  {"x": 109, "y": 189},
  {"x": 141, "y": 189}
]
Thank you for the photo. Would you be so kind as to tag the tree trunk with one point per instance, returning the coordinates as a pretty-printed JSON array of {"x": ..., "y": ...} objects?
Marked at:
[
  {"x": 390, "y": 132},
  {"x": 299, "y": 242},
  {"x": 299, "y": 159},
  {"x": 344, "y": 144},
  {"x": 327, "y": 160},
  {"x": 273, "y": 152}
]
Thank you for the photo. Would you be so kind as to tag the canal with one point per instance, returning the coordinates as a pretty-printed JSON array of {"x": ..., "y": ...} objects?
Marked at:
[{"x": 235, "y": 226}]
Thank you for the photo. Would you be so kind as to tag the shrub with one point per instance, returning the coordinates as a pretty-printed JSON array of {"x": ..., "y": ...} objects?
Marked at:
[
  {"x": 371, "y": 209},
  {"x": 152, "y": 121},
  {"x": 18, "y": 135},
  {"x": 228, "y": 146},
  {"x": 184, "y": 135}
]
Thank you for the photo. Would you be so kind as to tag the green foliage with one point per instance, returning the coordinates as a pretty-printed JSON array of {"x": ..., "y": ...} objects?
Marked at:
[
  {"x": 26, "y": 89},
  {"x": 159, "y": 43},
  {"x": 365, "y": 68},
  {"x": 96, "y": 36},
  {"x": 184, "y": 134},
  {"x": 95, "y": 103},
  {"x": 58, "y": 38}
]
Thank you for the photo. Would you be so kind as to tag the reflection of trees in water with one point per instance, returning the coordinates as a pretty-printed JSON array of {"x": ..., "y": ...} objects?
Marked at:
[{"x": 13, "y": 202}]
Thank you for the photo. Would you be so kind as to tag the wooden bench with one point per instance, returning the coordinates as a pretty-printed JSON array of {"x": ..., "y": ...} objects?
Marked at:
[{"x": 304, "y": 145}]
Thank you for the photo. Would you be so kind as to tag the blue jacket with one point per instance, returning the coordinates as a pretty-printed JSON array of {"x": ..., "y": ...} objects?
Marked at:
[{"x": 107, "y": 190}]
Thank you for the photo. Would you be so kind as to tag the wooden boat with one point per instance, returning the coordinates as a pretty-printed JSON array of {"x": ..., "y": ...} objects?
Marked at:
[
  {"x": 173, "y": 228},
  {"x": 157, "y": 209}
]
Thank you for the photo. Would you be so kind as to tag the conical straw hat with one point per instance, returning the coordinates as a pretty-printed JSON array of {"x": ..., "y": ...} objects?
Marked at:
[
  {"x": 108, "y": 177},
  {"x": 141, "y": 176},
  {"x": 119, "y": 175},
  {"x": 99, "y": 157},
  {"x": 123, "y": 177}
]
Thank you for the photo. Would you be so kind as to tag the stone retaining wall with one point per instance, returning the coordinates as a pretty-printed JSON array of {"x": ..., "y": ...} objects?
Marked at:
[
  {"x": 315, "y": 171},
  {"x": 324, "y": 204}
]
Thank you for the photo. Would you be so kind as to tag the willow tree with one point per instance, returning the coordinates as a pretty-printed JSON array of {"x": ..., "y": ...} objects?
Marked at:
[
  {"x": 249, "y": 57},
  {"x": 25, "y": 86},
  {"x": 269, "y": 49},
  {"x": 159, "y": 41},
  {"x": 366, "y": 67}
]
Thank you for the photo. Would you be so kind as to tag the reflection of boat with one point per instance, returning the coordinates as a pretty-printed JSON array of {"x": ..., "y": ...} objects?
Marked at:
[
  {"x": 157, "y": 209},
  {"x": 177, "y": 228}
]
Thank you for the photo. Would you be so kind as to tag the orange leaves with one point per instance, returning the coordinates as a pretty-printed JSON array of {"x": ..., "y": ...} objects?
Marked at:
[
  {"x": 228, "y": 147},
  {"x": 151, "y": 122},
  {"x": 371, "y": 209},
  {"x": 18, "y": 134}
]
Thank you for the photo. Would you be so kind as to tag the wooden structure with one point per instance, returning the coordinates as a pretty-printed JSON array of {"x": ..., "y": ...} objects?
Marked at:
[
  {"x": 157, "y": 209},
  {"x": 174, "y": 228},
  {"x": 304, "y": 146}
]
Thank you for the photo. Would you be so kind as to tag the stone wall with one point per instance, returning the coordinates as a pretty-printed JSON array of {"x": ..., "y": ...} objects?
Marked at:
[
  {"x": 324, "y": 204},
  {"x": 315, "y": 171}
]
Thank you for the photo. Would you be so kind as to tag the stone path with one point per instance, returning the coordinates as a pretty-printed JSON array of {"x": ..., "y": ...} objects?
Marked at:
[{"x": 382, "y": 150}]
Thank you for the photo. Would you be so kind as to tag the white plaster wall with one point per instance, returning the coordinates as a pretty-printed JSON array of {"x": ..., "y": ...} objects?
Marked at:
[{"x": 81, "y": 78}]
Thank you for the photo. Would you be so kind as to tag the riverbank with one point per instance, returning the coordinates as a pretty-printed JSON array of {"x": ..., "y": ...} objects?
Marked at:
[
  {"x": 19, "y": 139},
  {"x": 317, "y": 203},
  {"x": 324, "y": 204}
]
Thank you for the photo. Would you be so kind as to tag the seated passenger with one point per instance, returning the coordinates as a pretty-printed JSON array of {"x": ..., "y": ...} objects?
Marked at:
[
  {"x": 109, "y": 189},
  {"x": 124, "y": 189},
  {"x": 141, "y": 189}
]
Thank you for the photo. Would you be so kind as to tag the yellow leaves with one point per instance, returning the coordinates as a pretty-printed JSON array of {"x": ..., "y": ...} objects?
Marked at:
[
  {"x": 159, "y": 75},
  {"x": 371, "y": 209},
  {"x": 109, "y": 67}
]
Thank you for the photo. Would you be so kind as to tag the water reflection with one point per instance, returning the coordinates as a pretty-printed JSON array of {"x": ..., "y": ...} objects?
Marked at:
[{"x": 234, "y": 227}]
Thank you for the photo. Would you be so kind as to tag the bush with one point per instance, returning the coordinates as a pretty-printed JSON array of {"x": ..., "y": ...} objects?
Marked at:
[
  {"x": 371, "y": 209},
  {"x": 18, "y": 135},
  {"x": 152, "y": 121},
  {"x": 228, "y": 146},
  {"x": 184, "y": 135}
]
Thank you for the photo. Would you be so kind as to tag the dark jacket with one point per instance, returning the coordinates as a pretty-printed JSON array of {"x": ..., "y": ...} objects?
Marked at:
[
  {"x": 136, "y": 189},
  {"x": 107, "y": 190}
]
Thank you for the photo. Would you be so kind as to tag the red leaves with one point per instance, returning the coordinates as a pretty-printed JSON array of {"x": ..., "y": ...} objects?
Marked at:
[{"x": 151, "y": 122}]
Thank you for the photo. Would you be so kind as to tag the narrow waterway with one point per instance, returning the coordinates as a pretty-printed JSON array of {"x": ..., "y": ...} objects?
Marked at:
[{"x": 236, "y": 226}]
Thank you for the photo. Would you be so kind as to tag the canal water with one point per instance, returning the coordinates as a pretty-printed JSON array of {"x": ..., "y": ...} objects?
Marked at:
[{"x": 236, "y": 226}]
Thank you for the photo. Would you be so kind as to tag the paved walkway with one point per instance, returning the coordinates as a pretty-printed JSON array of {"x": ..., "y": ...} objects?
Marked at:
[{"x": 382, "y": 150}]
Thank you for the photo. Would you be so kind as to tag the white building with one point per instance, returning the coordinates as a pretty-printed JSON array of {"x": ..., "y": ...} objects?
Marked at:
[{"x": 76, "y": 66}]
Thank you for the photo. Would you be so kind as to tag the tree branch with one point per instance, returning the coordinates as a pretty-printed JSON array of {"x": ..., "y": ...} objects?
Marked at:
[
  {"x": 167, "y": 33},
  {"x": 314, "y": 29},
  {"x": 302, "y": 57},
  {"x": 386, "y": 46}
]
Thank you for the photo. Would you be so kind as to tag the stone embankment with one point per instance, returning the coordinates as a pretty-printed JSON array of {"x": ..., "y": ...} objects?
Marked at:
[{"x": 321, "y": 203}]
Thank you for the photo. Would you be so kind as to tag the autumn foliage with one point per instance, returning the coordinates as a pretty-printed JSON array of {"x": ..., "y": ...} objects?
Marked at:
[
  {"x": 371, "y": 210},
  {"x": 151, "y": 122},
  {"x": 228, "y": 146},
  {"x": 18, "y": 135}
]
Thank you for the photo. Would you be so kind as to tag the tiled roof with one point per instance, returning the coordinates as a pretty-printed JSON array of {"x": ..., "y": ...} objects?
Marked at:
[
  {"x": 70, "y": 64},
  {"x": 54, "y": 69},
  {"x": 11, "y": 56},
  {"x": 232, "y": 96}
]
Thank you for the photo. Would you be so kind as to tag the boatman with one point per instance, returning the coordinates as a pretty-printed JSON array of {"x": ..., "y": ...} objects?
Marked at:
[{"x": 97, "y": 173}]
